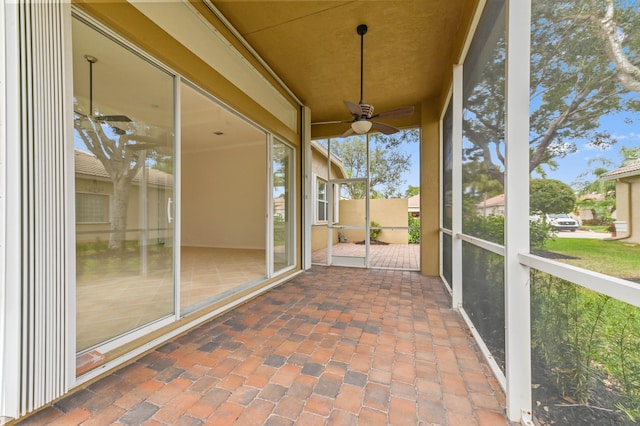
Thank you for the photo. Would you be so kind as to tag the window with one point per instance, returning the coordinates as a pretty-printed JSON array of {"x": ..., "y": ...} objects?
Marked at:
[
  {"x": 322, "y": 201},
  {"x": 92, "y": 208}
]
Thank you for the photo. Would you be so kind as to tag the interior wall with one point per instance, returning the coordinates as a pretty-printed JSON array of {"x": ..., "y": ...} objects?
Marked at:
[{"x": 223, "y": 198}]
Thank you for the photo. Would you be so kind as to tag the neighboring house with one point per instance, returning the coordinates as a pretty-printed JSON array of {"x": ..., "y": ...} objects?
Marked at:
[
  {"x": 627, "y": 181},
  {"x": 414, "y": 205},
  {"x": 94, "y": 191},
  {"x": 586, "y": 215},
  {"x": 491, "y": 206}
]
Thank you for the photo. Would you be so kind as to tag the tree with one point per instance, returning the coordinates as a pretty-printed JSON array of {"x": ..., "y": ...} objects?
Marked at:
[
  {"x": 387, "y": 166},
  {"x": 581, "y": 54},
  {"x": 619, "y": 29},
  {"x": 588, "y": 182},
  {"x": 412, "y": 191},
  {"x": 630, "y": 156},
  {"x": 596, "y": 195},
  {"x": 122, "y": 153},
  {"x": 478, "y": 185},
  {"x": 549, "y": 196}
]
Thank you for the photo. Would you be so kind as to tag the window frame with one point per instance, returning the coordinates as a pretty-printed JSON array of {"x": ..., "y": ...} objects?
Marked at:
[
  {"x": 106, "y": 203},
  {"x": 317, "y": 200}
]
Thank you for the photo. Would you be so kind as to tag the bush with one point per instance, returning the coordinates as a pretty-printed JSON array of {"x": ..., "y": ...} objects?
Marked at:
[
  {"x": 588, "y": 341},
  {"x": 373, "y": 233},
  {"x": 414, "y": 229},
  {"x": 550, "y": 196},
  {"x": 491, "y": 228},
  {"x": 540, "y": 232}
]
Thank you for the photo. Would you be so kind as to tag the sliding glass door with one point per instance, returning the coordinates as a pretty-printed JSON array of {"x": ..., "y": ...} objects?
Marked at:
[
  {"x": 282, "y": 202},
  {"x": 124, "y": 160}
]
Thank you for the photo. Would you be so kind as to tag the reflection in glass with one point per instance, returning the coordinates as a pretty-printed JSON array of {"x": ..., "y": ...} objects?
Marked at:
[
  {"x": 282, "y": 166},
  {"x": 124, "y": 151},
  {"x": 223, "y": 201}
]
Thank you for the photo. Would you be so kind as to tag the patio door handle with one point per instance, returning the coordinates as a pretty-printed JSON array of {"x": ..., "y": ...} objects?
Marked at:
[{"x": 169, "y": 202}]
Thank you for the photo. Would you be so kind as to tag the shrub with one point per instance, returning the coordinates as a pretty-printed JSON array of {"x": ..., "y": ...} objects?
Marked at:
[
  {"x": 414, "y": 229},
  {"x": 373, "y": 233},
  {"x": 491, "y": 228}
]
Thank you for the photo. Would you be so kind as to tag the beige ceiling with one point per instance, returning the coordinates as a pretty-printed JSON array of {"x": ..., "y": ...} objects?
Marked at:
[{"x": 313, "y": 47}]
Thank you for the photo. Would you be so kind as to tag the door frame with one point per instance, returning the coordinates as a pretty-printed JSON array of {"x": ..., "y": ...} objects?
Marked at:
[{"x": 353, "y": 261}]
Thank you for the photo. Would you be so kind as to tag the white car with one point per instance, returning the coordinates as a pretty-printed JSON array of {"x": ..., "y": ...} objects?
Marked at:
[{"x": 562, "y": 222}]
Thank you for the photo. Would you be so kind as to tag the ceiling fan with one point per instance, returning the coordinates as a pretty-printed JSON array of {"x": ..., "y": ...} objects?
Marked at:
[
  {"x": 109, "y": 118},
  {"x": 362, "y": 113}
]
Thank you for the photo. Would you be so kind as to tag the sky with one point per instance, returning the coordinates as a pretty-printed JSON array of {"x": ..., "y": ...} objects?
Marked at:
[
  {"x": 625, "y": 127},
  {"x": 626, "y": 133}
]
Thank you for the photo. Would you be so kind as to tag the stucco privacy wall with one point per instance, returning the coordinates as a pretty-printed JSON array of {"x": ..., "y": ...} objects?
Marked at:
[
  {"x": 223, "y": 198},
  {"x": 386, "y": 212},
  {"x": 319, "y": 236}
]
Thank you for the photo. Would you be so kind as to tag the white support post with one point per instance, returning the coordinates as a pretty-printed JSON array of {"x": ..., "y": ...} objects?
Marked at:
[
  {"x": 307, "y": 192},
  {"x": 517, "y": 295},
  {"x": 456, "y": 225},
  {"x": 177, "y": 196}
]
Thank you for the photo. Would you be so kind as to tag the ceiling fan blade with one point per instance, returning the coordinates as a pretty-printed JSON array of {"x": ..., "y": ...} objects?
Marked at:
[
  {"x": 116, "y": 118},
  {"x": 396, "y": 113},
  {"x": 332, "y": 122},
  {"x": 384, "y": 128},
  {"x": 354, "y": 109},
  {"x": 347, "y": 133}
]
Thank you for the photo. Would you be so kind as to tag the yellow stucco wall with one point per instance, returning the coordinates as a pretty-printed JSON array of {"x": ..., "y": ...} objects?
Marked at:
[
  {"x": 628, "y": 207},
  {"x": 430, "y": 189},
  {"x": 320, "y": 169},
  {"x": 386, "y": 212}
]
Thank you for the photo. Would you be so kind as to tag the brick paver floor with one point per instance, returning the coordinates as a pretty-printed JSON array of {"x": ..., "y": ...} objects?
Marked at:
[
  {"x": 395, "y": 256},
  {"x": 333, "y": 346}
]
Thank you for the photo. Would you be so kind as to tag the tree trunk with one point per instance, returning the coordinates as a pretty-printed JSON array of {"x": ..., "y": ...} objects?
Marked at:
[{"x": 121, "y": 190}]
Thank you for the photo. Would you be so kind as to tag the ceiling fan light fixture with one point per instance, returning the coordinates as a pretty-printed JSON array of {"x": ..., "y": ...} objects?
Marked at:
[{"x": 361, "y": 126}]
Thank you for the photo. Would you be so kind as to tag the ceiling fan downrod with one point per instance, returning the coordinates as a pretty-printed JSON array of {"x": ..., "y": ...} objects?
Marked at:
[
  {"x": 361, "y": 30},
  {"x": 92, "y": 60}
]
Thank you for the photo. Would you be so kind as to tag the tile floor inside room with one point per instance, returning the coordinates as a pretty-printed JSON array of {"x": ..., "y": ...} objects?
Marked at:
[{"x": 333, "y": 346}]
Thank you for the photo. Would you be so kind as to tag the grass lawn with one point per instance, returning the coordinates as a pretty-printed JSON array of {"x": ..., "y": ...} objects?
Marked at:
[{"x": 615, "y": 258}]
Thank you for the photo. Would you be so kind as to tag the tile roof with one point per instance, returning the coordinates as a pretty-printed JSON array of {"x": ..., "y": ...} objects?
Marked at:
[
  {"x": 622, "y": 172},
  {"x": 414, "y": 203},
  {"x": 88, "y": 164},
  {"x": 498, "y": 200}
]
